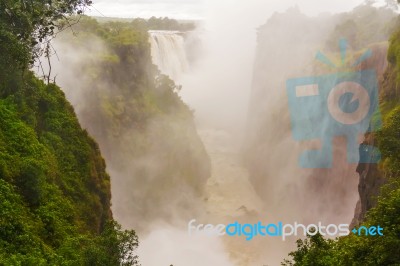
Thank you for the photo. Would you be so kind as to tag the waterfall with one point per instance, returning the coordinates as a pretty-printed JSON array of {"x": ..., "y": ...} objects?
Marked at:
[{"x": 168, "y": 52}]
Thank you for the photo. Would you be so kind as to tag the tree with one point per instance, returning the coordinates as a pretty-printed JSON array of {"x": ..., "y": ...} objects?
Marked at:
[{"x": 26, "y": 26}]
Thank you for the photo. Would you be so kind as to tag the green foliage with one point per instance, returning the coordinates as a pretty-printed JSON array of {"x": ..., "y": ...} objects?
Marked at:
[
  {"x": 114, "y": 247},
  {"x": 312, "y": 251},
  {"x": 55, "y": 206},
  {"x": 167, "y": 24},
  {"x": 389, "y": 142},
  {"x": 54, "y": 190},
  {"x": 392, "y": 76},
  {"x": 153, "y": 23},
  {"x": 25, "y": 24}
]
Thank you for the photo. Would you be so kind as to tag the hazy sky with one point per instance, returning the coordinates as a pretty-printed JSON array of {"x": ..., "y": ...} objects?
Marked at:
[
  {"x": 197, "y": 9},
  {"x": 180, "y": 9}
]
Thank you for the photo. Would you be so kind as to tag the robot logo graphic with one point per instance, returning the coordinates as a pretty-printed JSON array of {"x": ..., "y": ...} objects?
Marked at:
[{"x": 339, "y": 104}]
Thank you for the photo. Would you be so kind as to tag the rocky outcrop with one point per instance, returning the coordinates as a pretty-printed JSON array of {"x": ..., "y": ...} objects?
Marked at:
[{"x": 371, "y": 179}]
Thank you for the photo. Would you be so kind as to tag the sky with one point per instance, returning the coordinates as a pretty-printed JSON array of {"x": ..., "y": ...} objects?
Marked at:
[
  {"x": 178, "y": 9},
  {"x": 198, "y": 9}
]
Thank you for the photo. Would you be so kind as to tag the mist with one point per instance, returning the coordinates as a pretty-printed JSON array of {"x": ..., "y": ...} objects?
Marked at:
[
  {"x": 238, "y": 93},
  {"x": 236, "y": 88},
  {"x": 219, "y": 88}
]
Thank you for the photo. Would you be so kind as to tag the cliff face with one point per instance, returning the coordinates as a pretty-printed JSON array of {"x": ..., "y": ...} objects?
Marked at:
[
  {"x": 287, "y": 45},
  {"x": 272, "y": 154},
  {"x": 371, "y": 178},
  {"x": 379, "y": 185},
  {"x": 145, "y": 131},
  {"x": 54, "y": 187}
]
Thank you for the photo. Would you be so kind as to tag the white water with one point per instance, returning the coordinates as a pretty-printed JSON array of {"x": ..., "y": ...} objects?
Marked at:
[
  {"x": 217, "y": 89},
  {"x": 229, "y": 196},
  {"x": 168, "y": 52}
]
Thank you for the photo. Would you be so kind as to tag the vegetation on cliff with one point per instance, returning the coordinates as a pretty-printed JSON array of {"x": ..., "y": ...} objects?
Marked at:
[
  {"x": 153, "y": 23},
  {"x": 145, "y": 131},
  {"x": 54, "y": 190}
]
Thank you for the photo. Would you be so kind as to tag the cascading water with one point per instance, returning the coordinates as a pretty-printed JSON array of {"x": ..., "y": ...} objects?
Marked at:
[
  {"x": 228, "y": 193},
  {"x": 218, "y": 88},
  {"x": 168, "y": 52}
]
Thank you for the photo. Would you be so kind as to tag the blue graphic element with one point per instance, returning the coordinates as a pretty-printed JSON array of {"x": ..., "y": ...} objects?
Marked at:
[
  {"x": 344, "y": 104},
  {"x": 368, "y": 231},
  {"x": 347, "y": 104},
  {"x": 343, "y": 49},
  {"x": 321, "y": 57}
]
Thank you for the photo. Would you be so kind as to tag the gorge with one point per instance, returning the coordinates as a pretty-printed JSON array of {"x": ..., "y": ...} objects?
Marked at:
[{"x": 135, "y": 127}]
